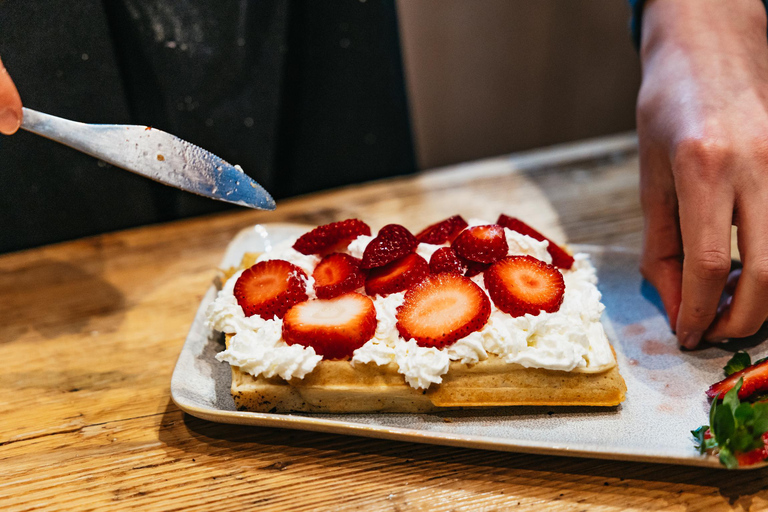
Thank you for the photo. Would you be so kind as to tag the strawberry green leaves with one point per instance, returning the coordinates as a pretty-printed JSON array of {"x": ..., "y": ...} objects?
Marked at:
[
  {"x": 735, "y": 430},
  {"x": 738, "y": 362}
]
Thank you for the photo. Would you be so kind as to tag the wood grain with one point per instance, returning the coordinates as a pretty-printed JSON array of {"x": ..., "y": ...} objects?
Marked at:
[{"x": 91, "y": 330}]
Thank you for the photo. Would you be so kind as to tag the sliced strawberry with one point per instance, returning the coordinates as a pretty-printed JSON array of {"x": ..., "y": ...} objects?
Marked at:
[
  {"x": 524, "y": 284},
  {"x": 560, "y": 258},
  {"x": 270, "y": 288},
  {"x": 397, "y": 276},
  {"x": 444, "y": 231},
  {"x": 335, "y": 328},
  {"x": 753, "y": 456},
  {"x": 331, "y": 237},
  {"x": 442, "y": 309},
  {"x": 483, "y": 244},
  {"x": 755, "y": 380},
  {"x": 337, "y": 274},
  {"x": 392, "y": 242},
  {"x": 445, "y": 259}
]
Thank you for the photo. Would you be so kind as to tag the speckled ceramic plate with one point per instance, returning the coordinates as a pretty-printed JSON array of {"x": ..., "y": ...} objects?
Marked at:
[{"x": 665, "y": 398}]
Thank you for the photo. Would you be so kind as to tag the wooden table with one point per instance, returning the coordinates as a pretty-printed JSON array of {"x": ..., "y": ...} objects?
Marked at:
[{"x": 90, "y": 331}]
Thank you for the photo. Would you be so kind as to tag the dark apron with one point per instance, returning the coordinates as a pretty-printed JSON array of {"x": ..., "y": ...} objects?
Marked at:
[{"x": 303, "y": 95}]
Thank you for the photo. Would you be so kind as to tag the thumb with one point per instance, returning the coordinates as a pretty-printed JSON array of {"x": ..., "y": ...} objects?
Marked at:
[{"x": 10, "y": 104}]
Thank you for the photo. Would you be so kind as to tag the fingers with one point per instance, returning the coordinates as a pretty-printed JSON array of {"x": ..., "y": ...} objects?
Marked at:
[
  {"x": 749, "y": 305},
  {"x": 10, "y": 104},
  {"x": 662, "y": 257},
  {"x": 706, "y": 212}
]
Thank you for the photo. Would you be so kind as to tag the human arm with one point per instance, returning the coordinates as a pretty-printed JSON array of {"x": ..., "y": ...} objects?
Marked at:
[
  {"x": 10, "y": 103},
  {"x": 702, "y": 119}
]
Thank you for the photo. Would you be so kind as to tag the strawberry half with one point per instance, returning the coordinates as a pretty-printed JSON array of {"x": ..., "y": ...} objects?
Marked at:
[
  {"x": 474, "y": 268},
  {"x": 524, "y": 284},
  {"x": 337, "y": 274},
  {"x": 445, "y": 259},
  {"x": 331, "y": 237},
  {"x": 392, "y": 242},
  {"x": 335, "y": 328},
  {"x": 560, "y": 258},
  {"x": 442, "y": 309},
  {"x": 270, "y": 288},
  {"x": 397, "y": 276},
  {"x": 755, "y": 380},
  {"x": 482, "y": 244},
  {"x": 441, "y": 232}
]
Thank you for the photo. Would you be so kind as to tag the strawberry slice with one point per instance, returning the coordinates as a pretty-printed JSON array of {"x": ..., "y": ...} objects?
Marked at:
[
  {"x": 331, "y": 237},
  {"x": 337, "y": 274},
  {"x": 753, "y": 456},
  {"x": 482, "y": 244},
  {"x": 560, "y": 258},
  {"x": 442, "y": 309},
  {"x": 392, "y": 242},
  {"x": 270, "y": 288},
  {"x": 441, "y": 232},
  {"x": 524, "y": 284},
  {"x": 445, "y": 259},
  {"x": 335, "y": 328},
  {"x": 755, "y": 380},
  {"x": 396, "y": 276}
]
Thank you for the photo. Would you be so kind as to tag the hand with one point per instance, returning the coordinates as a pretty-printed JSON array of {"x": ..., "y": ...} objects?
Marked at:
[
  {"x": 10, "y": 104},
  {"x": 702, "y": 120}
]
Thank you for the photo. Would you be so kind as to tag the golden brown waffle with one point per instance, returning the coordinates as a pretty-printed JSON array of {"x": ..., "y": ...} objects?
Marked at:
[{"x": 339, "y": 387}]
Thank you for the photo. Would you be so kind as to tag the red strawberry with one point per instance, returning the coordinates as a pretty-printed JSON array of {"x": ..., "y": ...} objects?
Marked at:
[
  {"x": 445, "y": 259},
  {"x": 524, "y": 284},
  {"x": 270, "y": 288},
  {"x": 331, "y": 237},
  {"x": 396, "y": 276},
  {"x": 393, "y": 242},
  {"x": 560, "y": 258},
  {"x": 335, "y": 328},
  {"x": 474, "y": 268},
  {"x": 755, "y": 380},
  {"x": 442, "y": 309},
  {"x": 336, "y": 274},
  {"x": 753, "y": 456},
  {"x": 483, "y": 244},
  {"x": 444, "y": 231}
]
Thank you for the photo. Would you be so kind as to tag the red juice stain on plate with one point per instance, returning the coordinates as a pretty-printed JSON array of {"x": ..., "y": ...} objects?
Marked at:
[
  {"x": 634, "y": 330},
  {"x": 653, "y": 347},
  {"x": 632, "y": 362}
]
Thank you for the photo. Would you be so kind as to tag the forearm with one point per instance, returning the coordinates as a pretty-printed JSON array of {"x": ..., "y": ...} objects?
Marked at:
[{"x": 733, "y": 26}]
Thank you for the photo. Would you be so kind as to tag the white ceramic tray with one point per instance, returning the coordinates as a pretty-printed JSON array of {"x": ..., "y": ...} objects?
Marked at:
[{"x": 665, "y": 398}]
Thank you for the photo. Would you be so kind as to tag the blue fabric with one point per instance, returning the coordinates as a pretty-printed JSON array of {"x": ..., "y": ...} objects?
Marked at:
[{"x": 637, "y": 19}]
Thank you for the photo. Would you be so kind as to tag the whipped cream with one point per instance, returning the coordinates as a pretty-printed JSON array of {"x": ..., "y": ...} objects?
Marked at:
[
  {"x": 571, "y": 339},
  {"x": 257, "y": 345}
]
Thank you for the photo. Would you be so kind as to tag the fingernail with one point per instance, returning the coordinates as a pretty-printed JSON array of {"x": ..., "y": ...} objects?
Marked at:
[
  {"x": 9, "y": 121},
  {"x": 690, "y": 339}
]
